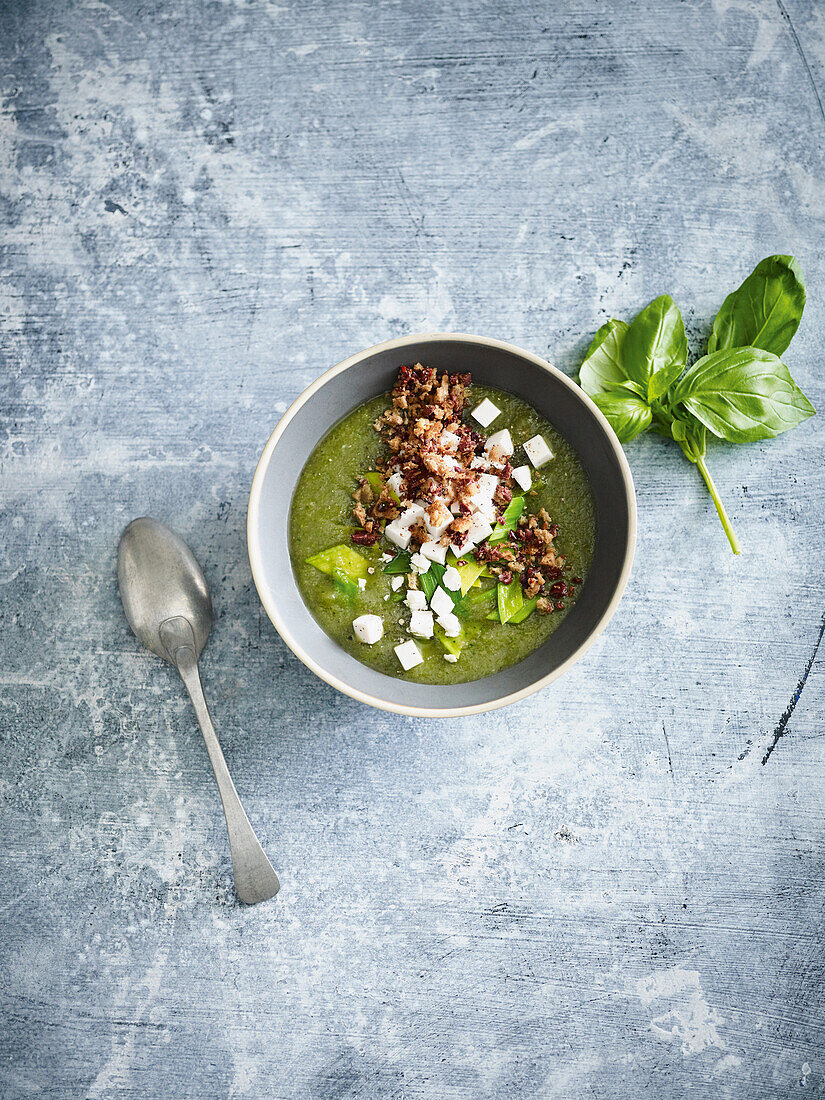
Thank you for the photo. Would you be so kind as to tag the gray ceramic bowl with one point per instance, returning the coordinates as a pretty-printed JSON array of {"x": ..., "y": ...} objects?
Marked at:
[{"x": 364, "y": 376}]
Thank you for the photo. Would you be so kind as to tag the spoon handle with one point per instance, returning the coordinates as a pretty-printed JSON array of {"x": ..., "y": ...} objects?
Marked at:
[{"x": 255, "y": 879}]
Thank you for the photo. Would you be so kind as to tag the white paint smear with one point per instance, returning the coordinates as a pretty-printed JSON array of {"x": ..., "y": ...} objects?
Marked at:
[{"x": 689, "y": 1020}]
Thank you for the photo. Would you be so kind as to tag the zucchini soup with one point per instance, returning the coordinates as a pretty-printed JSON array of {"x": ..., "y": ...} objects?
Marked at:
[{"x": 441, "y": 532}]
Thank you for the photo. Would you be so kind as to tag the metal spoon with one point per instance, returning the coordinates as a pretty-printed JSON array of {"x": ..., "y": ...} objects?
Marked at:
[{"x": 169, "y": 608}]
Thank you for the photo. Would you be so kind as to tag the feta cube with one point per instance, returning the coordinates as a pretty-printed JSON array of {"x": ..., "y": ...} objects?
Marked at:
[
  {"x": 398, "y": 534},
  {"x": 450, "y": 440},
  {"x": 386, "y": 557},
  {"x": 486, "y": 513},
  {"x": 435, "y": 552},
  {"x": 436, "y": 530},
  {"x": 421, "y": 623},
  {"x": 362, "y": 583},
  {"x": 394, "y": 482},
  {"x": 487, "y": 485},
  {"x": 419, "y": 563},
  {"x": 480, "y": 529},
  {"x": 408, "y": 654},
  {"x": 415, "y": 600},
  {"x": 441, "y": 602},
  {"x": 499, "y": 445},
  {"x": 479, "y": 462},
  {"x": 522, "y": 475},
  {"x": 537, "y": 451},
  {"x": 485, "y": 413},
  {"x": 368, "y": 628},
  {"x": 452, "y": 579},
  {"x": 414, "y": 514},
  {"x": 451, "y": 657},
  {"x": 450, "y": 624},
  {"x": 396, "y": 582}
]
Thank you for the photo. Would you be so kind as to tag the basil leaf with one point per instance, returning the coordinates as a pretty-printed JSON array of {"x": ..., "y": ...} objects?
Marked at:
[
  {"x": 742, "y": 395},
  {"x": 399, "y": 564},
  {"x": 627, "y": 415},
  {"x": 655, "y": 347},
  {"x": 765, "y": 311},
  {"x": 603, "y": 366}
]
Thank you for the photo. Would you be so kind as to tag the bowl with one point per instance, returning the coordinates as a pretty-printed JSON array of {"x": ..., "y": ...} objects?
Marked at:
[{"x": 370, "y": 372}]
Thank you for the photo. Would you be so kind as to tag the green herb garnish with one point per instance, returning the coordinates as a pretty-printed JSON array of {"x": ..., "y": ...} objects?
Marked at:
[
  {"x": 511, "y": 516},
  {"x": 740, "y": 391},
  {"x": 527, "y": 609},
  {"x": 430, "y": 580},
  {"x": 510, "y": 600},
  {"x": 469, "y": 572},
  {"x": 375, "y": 481},
  {"x": 399, "y": 564}
]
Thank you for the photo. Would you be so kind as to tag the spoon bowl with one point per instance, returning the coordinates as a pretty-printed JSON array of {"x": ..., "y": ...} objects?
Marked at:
[{"x": 159, "y": 579}]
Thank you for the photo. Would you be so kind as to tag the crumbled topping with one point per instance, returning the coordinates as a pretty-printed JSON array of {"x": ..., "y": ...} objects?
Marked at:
[{"x": 444, "y": 485}]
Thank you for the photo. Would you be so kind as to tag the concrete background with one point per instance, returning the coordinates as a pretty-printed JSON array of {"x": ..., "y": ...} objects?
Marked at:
[{"x": 604, "y": 891}]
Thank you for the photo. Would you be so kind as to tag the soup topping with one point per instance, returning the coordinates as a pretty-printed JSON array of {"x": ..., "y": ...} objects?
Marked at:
[{"x": 454, "y": 510}]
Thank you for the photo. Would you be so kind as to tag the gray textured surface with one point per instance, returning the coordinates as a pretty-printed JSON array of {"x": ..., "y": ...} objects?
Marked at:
[{"x": 600, "y": 892}]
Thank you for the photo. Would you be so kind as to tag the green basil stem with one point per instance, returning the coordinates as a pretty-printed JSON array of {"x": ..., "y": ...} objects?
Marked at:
[
  {"x": 692, "y": 440},
  {"x": 720, "y": 508}
]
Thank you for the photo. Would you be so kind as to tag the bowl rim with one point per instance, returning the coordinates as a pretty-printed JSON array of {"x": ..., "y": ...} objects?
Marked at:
[{"x": 256, "y": 557}]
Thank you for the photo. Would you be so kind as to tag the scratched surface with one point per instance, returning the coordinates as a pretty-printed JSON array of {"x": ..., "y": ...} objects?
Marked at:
[{"x": 613, "y": 889}]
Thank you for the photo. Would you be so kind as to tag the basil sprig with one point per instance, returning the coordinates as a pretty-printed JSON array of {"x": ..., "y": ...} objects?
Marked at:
[{"x": 741, "y": 391}]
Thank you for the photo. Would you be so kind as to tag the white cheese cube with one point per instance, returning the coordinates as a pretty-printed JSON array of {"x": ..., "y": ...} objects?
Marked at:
[
  {"x": 485, "y": 513},
  {"x": 421, "y": 623},
  {"x": 450, "y": 623},
  {"x": 487, "y": 485},
  {"x": 416, "y": 600},
  {"x": 362, "y": 583},
  {"x": 368, "y": 628},
  {"x": 462, "y": 548},
  {"x": 398, "y": 533},
  {"x": 441, "y": 602},
  {"x": 455, "y": 508},
  {"x": 386, "y": 557},
  {"x": 419, "y": 563},
  {"x": 499, "y": 445},
  {"x": 450, "y": 440},
  {"x": 414, "y": 514},
  {"x": 537, "y": 450},
  {"x": 436, "y": 530},
  {"x": 408, "y": 654},
  {"x": 480, "y": 529},
  {"x": 451, "y": 657},
  {"x": 522, "y": 475},
  {"x": 435, "y": 552},
  {"x": 396, "y": 582},
  {"x": 394, "y": 482},
  {"x": 479, "y": 462},
  {"x": 451, "y": 579},
  {"x": 485, "y": 413}
]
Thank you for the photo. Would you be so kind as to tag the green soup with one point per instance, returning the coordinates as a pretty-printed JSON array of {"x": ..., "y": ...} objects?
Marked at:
[{"x": 321, "y": 516}]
